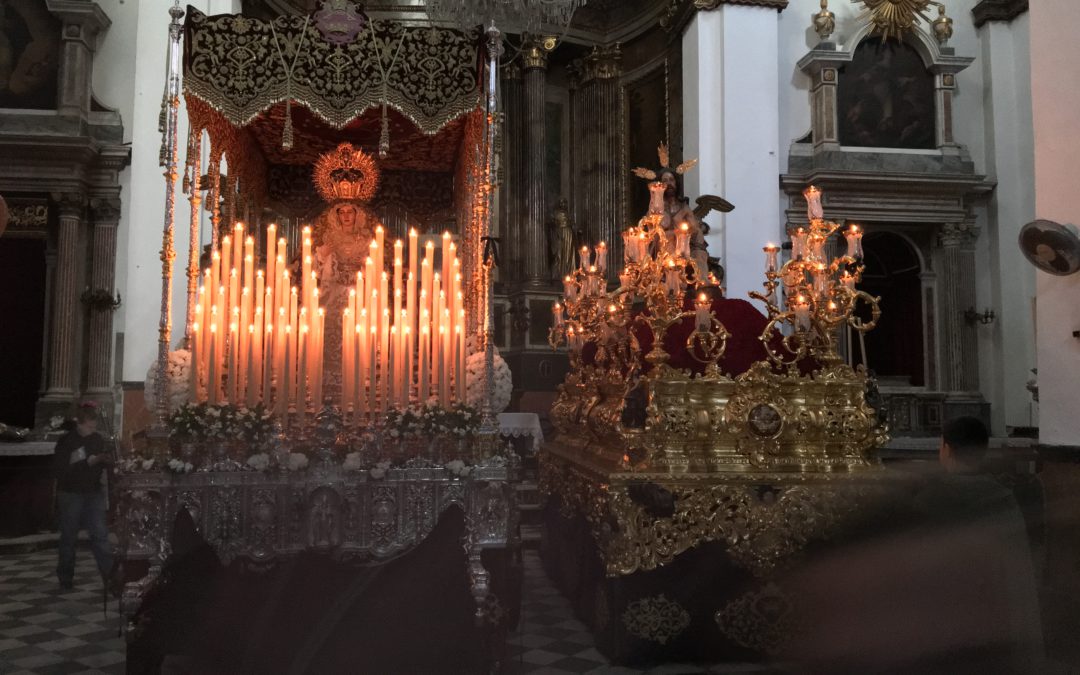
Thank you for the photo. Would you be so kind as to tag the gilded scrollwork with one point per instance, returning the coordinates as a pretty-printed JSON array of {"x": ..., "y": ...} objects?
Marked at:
[
  {"x": 243, "y": 66},
  {"x": 656, "y": 618},
  {"x": 762, "y": 619}
]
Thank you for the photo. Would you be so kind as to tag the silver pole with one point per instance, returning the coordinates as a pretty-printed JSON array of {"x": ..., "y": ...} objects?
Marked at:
[
  {"x": 171, "y": 108},
  {"x": 489, "y": 423}
]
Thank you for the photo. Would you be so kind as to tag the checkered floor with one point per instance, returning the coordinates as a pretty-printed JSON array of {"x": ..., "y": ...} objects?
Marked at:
[{"x": 45, "y": 630}]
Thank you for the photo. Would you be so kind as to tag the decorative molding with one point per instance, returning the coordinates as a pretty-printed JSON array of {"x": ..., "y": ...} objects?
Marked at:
[
  {"x": 105, "y": 210},
  {"x": 28, "y": 216},
  {"x": 534, "y": 51},
  {"x": 602, "y": 63},
  {"x": 998, "y": 10},
  {"x": 707, "y": 5}
]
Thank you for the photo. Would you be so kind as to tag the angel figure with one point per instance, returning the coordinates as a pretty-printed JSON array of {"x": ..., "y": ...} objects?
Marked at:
[{"x": 665, "y": 189}]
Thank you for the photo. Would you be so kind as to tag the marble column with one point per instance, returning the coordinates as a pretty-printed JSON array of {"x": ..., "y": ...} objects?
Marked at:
[
  {"x": 512, "y": 170},
  {"x": 105, "y": 216},
  {"x": 601, "y": 151},
  {"x": 535, "y": 241},
  {"x": 959, "y": 342},
  {"x": 65, "y": 301}
]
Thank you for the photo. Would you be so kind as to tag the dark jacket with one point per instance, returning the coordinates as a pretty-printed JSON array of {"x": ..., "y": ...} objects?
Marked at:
[{"x": 72, "y": 472}]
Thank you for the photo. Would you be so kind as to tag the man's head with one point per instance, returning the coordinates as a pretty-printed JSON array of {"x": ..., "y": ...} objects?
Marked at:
[
  {"x": 964, "y": 441},
  {"x": 86, "y": 419}
]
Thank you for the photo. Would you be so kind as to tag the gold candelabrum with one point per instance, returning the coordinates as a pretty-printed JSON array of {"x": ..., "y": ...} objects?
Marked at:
[
  {"x": 818, "y": 290},
  {"x": 799, "y": 407},
  {"x": 658, "y": 273}
]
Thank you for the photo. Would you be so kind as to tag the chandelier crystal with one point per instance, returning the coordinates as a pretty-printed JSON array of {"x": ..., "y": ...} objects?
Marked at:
[{"x": 529, "y": 15}]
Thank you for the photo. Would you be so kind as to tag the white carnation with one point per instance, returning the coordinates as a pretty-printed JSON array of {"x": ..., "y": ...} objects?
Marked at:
[
  {"x": 353, "y": 462},
  {"x": 504, "y": 385},
  {"x": 259, "y": 461},
  {"x": 178, "y": 377},
  {"x": 297, "y": 461}
]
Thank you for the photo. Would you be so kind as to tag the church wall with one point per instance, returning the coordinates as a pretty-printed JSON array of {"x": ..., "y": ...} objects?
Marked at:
[
  {"x": 1007, "y": 346},
  {"x": 1055, "y": 95},
  {"x": 132, "y": 71}
]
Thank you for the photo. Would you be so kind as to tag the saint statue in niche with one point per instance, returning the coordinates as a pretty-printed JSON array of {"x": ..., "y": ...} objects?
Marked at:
[
  {"x": 563, "y": 242},
  {"x": 347, "y": 178}
]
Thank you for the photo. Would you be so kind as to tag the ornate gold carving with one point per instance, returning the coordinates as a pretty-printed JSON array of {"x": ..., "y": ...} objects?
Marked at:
[
  {"x": 824, "y": 21},
  {"x": 656, "y": 618},
  {"x": 347, "y": 173},
  {"x": 893, "y": 18},
  {"x": 28, "y": 216},
  {"x": 706, "y": 5},
  {"x": 534, "y": 51},
  {"x": 762, "y": 619},
  {"x": 232, "y": 64},
  {"x": 602, "y": 63}
]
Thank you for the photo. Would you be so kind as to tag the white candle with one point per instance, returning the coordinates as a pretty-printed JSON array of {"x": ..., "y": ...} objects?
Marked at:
[
  {"x": 703, "y": 312},
  {"x": 813, "y": 204},
  {"x": 853, "y": 235},
  {"x": 801, "y": 307},
  {"x": 601, "y": 257},
  {"x": 771, "y": 252}
]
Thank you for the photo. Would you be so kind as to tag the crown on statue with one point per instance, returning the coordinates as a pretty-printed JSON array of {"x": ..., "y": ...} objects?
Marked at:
[{"x": 346, "y": 174}]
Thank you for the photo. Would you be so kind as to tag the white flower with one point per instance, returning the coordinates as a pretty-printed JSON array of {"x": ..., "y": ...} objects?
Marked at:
[
  {"x": 458, "y": 468},
  {"x": 504, "y": 385},
  {"x": 379, "y": 470},
  {"x": 297, "y": 461},
  {"x": 147, "y": 464},
  {"x": 259, "y": 461},
  {"x": 353, "y": 462}
]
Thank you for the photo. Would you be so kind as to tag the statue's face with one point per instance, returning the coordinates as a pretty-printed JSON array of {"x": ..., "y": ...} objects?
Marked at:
[{"x": 346, "y": 214}]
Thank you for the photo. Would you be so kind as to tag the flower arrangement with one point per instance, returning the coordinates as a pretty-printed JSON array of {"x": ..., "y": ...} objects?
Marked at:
[
  {"x": 474, "y": 381},
  {"x": 260, "y": 461},
  {"x": 378, "y": 472},
  {"x": 204, "y": 422},
  {"x": 179, "y": 466},
  {"x": 135, "y": 464},
  {"x": 296, "y": 461},
  {"x": 458, "y": 468},
  {"x": 177, "y": 375},
  {"x": 430, "y": 420},
  {"x": 354, "y": 461}
]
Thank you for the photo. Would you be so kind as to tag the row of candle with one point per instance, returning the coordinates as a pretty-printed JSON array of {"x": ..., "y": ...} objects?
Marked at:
[
  {"x": 256, "y": 336},
  {"x": 403, "y": 335}
]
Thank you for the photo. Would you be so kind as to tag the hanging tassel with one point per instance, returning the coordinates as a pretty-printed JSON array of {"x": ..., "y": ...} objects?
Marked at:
[
  {"x": 286, "y": 134},
  {"x": 384, "y": 135}
]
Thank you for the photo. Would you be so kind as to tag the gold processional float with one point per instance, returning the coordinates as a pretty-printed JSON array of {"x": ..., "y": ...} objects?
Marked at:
[{"x": 765, "y": 461}]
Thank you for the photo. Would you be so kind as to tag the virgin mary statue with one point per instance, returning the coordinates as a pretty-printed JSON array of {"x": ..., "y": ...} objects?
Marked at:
[{"x": 347, "y": 179}]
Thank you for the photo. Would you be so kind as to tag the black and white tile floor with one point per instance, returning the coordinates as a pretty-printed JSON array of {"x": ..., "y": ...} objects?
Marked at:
[{"x": 45, "y": 630}]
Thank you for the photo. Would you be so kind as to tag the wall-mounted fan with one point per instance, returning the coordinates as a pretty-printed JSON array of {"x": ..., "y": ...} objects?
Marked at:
[{"x": 1052, "y": 247}]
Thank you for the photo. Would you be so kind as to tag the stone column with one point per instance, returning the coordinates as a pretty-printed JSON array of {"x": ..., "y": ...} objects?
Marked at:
[
  {"x": 601, "y": 105},
  {"x": 959, "y": 343},
  {"x": 513, "y": 153},
  {"x": 822, "y": 65},
  {"x": 65, "y": 301},
  {"x": 535, "y": 241},
  {"x": 82, "y": 21},
  {"x": 105, "y": 216}
]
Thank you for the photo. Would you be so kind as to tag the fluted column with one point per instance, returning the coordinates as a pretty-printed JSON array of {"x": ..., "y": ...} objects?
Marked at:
[
  {"x": 959, "y": 342},
  {"x": 105, "y": 216},
  {"x": 64, "y": 324},
  {"x": 512, "y": 169},
  {"x": 601, "y": 82},
  {"x": 534, "y": 55}
]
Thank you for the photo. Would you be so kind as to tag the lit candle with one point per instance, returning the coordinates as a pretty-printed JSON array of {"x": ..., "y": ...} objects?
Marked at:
[
  {"x": 601, "y": 257},
  {"x": 321, "y": 327},
  {"x": 348, "y": 334},
  {"x": 214, "y": 374},
  {"x": 771, "y": 252},
  {"x": 584, "y": 258},
  {"x": 703, "y": 312},
  {"x": 625, "y": 280},
  {"x": 193, "y": 382},
  {"x": 447, "y": 254},
  {"x": 847, "y": 280},
  {"x": 642, "y": 245},
  {"x": 569, "y": 289},
  {"x": 234, "y": 335},
  {"x": 270, "y": 253},
  {"x": 249, "y": 368},
  {"x": 287, "y": 380},
  {"x": 425, "y": 348},
  {"x": 257, "y": 357},
  {"x": 801, "y": 307},
  {"x": 557, "y": 311},
  {"x": 682, "y": 240},
  {"x": 813, "y": 203},
  {"x": 238, "y": 240},
  {"x": 671, "y": 278},
  {"x": 215, "y": 270},
  {"x": 629, "y": 247},
  {"x": 853, "y": 235},
  {"x": 798, "y": 243},
  {"x": 380, "y": 233},
  {"x": 820, "y": 279}
]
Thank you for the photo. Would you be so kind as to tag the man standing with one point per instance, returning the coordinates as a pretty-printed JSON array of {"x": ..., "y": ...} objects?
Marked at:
[{"x": 78, "y": 463}]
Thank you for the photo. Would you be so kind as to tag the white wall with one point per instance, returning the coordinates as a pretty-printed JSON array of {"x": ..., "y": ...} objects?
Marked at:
[
  {"x": 129, "y": 74},
  {"x": 1055, "y": 99},
  {"x": 730, "y": 124}
]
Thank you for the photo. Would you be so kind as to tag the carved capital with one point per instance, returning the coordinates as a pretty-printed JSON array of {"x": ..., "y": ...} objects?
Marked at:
[
  {"x": 957, "y": 234},
  {"x": 69, "y": 204},
  {"x": 105, "y": 210},
  {"x": 602, "y": 63},
  {"x": 511, "y": 71},
  {"x": 707, "y": 5},
  {"x": 535, "y": 50},
  {"x": 998, "y": 10}
]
